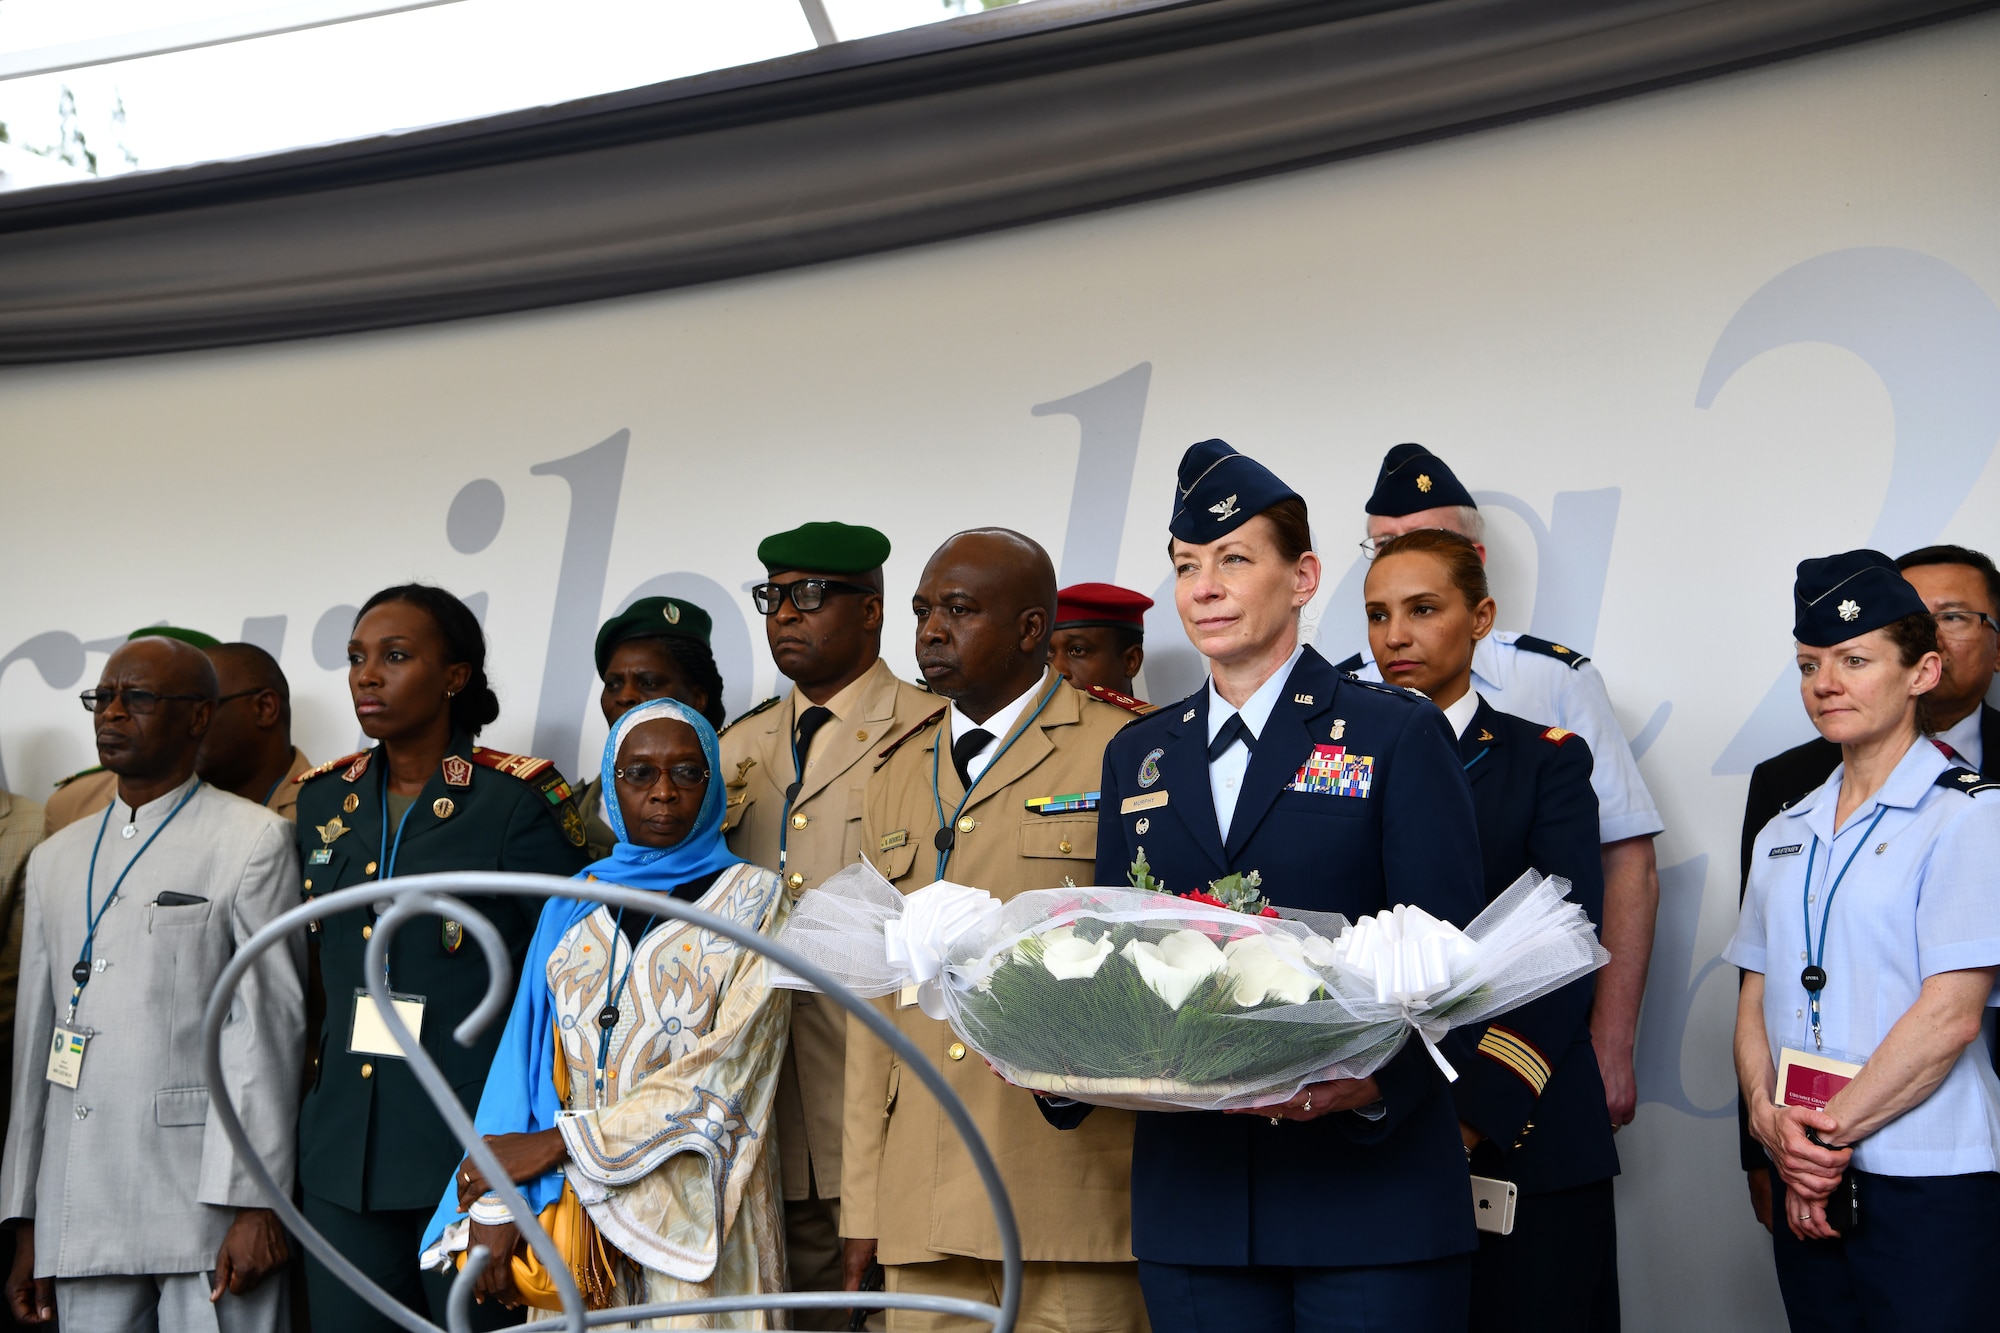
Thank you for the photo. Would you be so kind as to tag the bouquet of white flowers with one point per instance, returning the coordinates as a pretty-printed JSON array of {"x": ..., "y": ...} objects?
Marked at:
[{"x": 1134, "y": 997}]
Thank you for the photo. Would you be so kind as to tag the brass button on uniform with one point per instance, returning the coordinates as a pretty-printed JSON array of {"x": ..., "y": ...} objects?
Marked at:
[
  {"x": 956, "y": 1050},
  {"x": 368, "y": 869},
  {"x": 799, "y": 821},
  {"x": 795, "y": 880},
  {"x": 860, "y": 735},
  {"x": 1064, "y": 847},
  {"x": 351, "y": 804},
  {"x": 309, "y": 883},
  {"x": 367, "y": 1070},
  {"x": 367, "y": 931},
  {"x": 967, "y": 824}
]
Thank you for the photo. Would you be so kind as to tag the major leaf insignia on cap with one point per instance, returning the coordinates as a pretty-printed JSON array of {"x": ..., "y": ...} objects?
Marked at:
[{"x": 1424, "y": 482}]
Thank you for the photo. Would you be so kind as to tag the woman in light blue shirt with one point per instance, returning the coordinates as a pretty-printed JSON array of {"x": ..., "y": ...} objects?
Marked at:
[{"x": 1871, "y": 934}]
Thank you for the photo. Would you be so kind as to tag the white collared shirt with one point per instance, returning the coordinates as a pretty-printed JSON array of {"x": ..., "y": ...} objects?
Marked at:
[
  {"x": 1460, "y": 713},
  {"x": 999, "y": 725},
  {"x": 1963, "y": 737},
  {"x": 1225, "y": 773},
  {"x": 1552, "y": 693}
]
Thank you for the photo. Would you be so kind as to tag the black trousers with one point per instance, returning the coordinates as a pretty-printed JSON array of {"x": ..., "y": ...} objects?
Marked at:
[
  {"x": 384, "y": 1245},
  {"x": 1557, "y": 1272},
  {"x": 1425, "y": 1297},
  {"x": 1918, "y": 1262}
]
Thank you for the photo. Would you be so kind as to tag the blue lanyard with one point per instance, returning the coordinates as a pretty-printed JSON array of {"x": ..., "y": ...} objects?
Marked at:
[
  {"x": 610, "y": 1010},
  {"x": 937, "y": 797},
  {"x": 1475, "y": 759},
  {"x": 1816, "y": 963},
  {"x": 80, "y": 974},
  {"x": 385, "y": 860}
]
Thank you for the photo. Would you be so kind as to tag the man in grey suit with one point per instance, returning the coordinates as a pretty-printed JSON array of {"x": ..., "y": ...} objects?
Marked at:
[{"x": 131, "y": 1209}]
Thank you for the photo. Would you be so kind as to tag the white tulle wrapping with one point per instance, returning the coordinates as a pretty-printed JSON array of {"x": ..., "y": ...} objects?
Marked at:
[{"x": 1376, "y": 980}]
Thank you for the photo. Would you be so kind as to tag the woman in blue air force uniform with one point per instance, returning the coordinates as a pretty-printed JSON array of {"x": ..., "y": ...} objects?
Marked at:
[
  {"x": 1348, "y": 1207},
  {"x": 1871, "y": 934},
  {"x": 1530, "y": 1099}
]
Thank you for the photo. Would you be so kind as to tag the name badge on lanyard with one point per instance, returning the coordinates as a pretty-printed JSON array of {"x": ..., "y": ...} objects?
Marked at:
[
  {"x": 370, "y": 1035},
  {"x": 66, "y": 1056}
]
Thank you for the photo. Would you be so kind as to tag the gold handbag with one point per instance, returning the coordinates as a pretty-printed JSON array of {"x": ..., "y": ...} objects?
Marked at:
[{"x": 569, "y": 1226}]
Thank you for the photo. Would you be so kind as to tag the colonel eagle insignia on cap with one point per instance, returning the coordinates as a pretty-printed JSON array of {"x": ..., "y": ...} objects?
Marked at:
[{"x": 1225, "y": 510}]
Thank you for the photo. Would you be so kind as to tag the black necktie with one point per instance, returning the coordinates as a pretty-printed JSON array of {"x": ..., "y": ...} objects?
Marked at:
[
  {"x": 1232, "y": 731},
  {"x": 810, "y": 722},
  {"x": 964, "y": 748}
]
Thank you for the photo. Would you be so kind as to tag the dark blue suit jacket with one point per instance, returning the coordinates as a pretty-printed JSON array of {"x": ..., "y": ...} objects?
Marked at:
[
  {"x": 1532, "y": 1085},
  {"x": 1342, "y": 1190}
]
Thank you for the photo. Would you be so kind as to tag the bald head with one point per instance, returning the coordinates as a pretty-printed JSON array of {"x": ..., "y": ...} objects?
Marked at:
[
  {"x": 984, "y": 607},
  {"x": 157, "y": 697}
]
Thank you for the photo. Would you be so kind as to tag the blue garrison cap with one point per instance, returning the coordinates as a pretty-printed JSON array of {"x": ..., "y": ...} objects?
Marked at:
[
  {"x": 1412, "y": 480},
  {"x": 1838, "y": 597},
  {"x": 1219, "y": 490}
]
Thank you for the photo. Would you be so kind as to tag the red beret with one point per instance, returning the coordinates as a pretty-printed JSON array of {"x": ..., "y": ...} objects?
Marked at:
[{"x": 1085, "y": 604}]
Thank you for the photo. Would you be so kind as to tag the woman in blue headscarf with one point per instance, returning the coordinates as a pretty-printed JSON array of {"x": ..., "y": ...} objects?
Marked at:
[{"x": 641, "y": 1056}]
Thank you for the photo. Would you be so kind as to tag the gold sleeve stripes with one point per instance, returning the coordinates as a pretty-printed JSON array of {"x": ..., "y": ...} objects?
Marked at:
[{"x": 1519, "y": 1056}]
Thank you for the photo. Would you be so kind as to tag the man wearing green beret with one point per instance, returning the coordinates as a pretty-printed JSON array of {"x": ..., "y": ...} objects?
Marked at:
[
  {"x": 656, "y": 648},
  {"x": 794, "y": 770}
]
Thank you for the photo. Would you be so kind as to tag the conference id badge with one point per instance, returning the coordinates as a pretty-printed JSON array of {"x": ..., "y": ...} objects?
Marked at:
[
  {"x": 66, "y": 1056},
  {"x": 1810, "y": 1078},
  {"x": 371, "y": 1036}
]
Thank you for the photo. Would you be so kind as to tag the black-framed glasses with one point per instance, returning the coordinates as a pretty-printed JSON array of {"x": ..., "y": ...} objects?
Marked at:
[
  {"x": 137, "y": 702},
  {"x": 1960, "y": 624},
  {"x": 240, "y": 694},
  {"x": 688, "y": 777},
  {"x": 806, "y": 594}
]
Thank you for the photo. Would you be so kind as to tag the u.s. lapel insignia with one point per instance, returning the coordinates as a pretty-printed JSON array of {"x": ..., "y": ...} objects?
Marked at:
[
  {"x": 444, "y": 807},
  {"x": 1302, "y": 698},
  {"x": 1149, "y": 768},
  {"x": 331, "y": 830},
  {"x": 1188, "y": 716},
  {"x": 1339, "y": 729},
  {"x": 351, "y": 804},
  {"x": 1485, "y": 735},
  {"x": 1225, "y": 510},
  {"x": 457, "y": 771},
  {"x": 451, "y": 936}
]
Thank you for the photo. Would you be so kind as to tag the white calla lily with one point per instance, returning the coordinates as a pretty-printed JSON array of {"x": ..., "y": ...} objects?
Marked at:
[
  {"x": 1068, "y": 956},
  {"x": 1269, "y": 967},
  {"x": 1176, "y": 965}
]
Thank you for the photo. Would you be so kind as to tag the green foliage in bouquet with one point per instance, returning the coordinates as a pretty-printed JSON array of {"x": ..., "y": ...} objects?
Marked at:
[{"x": 1113, "y": 1025}]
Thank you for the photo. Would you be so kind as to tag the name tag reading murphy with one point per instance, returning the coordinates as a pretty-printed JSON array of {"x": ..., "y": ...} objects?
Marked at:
[
  {"x": 66, "y": 1056},
  {"x": 371, "y": 1036}
]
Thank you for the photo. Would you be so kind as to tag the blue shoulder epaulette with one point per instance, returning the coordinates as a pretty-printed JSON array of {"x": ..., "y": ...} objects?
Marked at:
[
  {"x": 1960, "y": 778},
  {"x": 1350, "y": 666},
  {"x": 1403, "y": 692},
  {"x": 1569, "y": 657}
]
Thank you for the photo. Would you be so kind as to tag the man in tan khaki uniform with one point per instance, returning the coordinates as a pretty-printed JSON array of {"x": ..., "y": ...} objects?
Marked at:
[
  {"x": 248, "y": 751},
  {"x": 1015, "y": 731},
  {"x": 846, "y": 704}
]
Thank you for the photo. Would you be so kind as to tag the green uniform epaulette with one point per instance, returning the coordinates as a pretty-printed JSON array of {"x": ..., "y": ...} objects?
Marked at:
[
  {"x": 1351, "y": 665},
  {"x": 323, "y": 769},
  {"x": 1569, "y": 657},
  {"x": 81, "y": 773},
  {"x": 1960, "y": 778},
  {"x": 542, "y": 775},
  {"x": 897, "y": 744},
  {"x": 771, "y": 702}
]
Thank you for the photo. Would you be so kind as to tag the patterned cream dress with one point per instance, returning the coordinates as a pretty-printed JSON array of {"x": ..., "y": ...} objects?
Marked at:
[{"x": 670, "y": 1142}]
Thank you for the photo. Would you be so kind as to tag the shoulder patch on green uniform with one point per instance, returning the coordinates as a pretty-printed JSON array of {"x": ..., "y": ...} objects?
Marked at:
[
  {"x": 771, "y": 702},
  {"x": 1350, "y": 665},
  {"x": 83, "y": 773},
  {"x": 321, "y": 770},
  {"x": 1959, "y": 778},
  {"x": 523, "y": 766},
  {"x": 897, "y": 744},
  {"x": 1569, "y": 657}
]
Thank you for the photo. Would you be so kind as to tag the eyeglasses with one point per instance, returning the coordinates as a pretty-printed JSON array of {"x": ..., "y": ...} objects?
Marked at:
[
  {"x": 688, "y": 777},
  {"x": 1964, "y": 624},
  {"x": 137, "y": 702},
  {"x": 240, "y": 694},
  {"x": 806, "y": 594}
]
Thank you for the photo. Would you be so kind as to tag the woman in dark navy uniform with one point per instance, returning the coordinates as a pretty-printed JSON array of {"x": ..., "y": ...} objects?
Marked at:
[
  {"x": 1348, "y": 1206},
  {"x": 1530, "y": 1100},
  {"x": 374, "y": 1154}
]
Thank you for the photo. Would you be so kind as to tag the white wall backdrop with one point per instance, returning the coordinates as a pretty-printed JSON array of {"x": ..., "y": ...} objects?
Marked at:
[{"x": 1675, "y": 343}]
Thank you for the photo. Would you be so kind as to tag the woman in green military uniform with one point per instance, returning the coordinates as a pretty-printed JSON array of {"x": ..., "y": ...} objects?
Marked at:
[
  {"x": 656, "y": 648},
  {"x": 373, "y": 1152}
]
